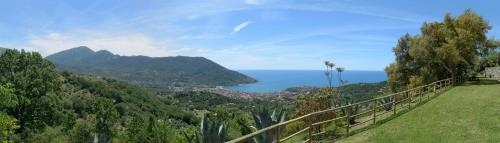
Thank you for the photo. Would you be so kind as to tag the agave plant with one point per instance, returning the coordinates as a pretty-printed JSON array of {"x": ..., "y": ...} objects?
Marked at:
[
  {"x": 386, "y": 103},
  {"x": 351, "y": 110},
  {"x": 215, "y": 132},
  {"x": 263, "y": 119}
]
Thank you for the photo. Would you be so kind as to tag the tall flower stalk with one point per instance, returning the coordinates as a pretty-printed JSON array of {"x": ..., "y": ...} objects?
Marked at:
[{"x": 329, "y": 72}]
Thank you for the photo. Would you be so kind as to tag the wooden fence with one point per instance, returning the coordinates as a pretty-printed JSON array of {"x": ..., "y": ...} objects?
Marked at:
[{"x": 376, "y": 110}]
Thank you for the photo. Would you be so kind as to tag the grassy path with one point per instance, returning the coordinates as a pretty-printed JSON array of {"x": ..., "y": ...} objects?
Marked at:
[{"x": 466, "y": 113}]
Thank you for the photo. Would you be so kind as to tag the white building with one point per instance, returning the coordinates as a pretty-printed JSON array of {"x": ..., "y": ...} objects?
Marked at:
[{"x": 493, "y": 72}]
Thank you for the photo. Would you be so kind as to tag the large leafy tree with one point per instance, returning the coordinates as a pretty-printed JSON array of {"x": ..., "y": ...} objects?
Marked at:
[
  {"x": 442, "y": 50},
  {"x": 82, "y": 132},
  {"x": 32, "y": 78},
  {"x": 106, "y": 119},
  {"x": 136, "y": 128},
  {"x": 7, "y": 97},
  {"x": 399, "y": 72}
]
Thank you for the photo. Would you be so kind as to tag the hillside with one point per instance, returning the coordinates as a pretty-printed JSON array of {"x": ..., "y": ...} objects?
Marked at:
[
  {"x": 67, "y": 107},
  {"x": 359, "y": 91},
  {"x": 466, "y": 113},
  {"x": 129, "y": 99},
  {"x": 148, "y": 71}
]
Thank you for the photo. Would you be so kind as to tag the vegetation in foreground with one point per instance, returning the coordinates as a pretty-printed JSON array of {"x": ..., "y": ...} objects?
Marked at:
[{"x": 466, "y": 113}]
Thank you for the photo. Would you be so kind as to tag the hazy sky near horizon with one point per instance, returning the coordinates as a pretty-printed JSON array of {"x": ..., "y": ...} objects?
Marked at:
[{"x": 238, "y": 34}]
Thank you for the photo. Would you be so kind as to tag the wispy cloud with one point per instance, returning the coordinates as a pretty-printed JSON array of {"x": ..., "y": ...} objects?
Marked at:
[
  {"x": 347, "y": 7},
  {"x": 129, "y": 44},
  {"x": 241, "y": 26}
]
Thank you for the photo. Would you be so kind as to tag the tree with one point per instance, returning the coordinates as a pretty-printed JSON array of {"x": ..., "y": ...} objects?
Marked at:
[
  {"x": 443, "y": 50},
  {"x": 31, "y": 77},
  {"x": 490, "y": 57},
  {"x": 106, "y": 119},
  {"x": 82, "y": 132},
  {"x": 49, "y": 110},
  {"x": 8, "y": 125},
  {"x": 136, "y": 128},
  {"x": 399, "y": 72},
  {"x": 7, "y": 97},
  {"x": 160, "y": 131},
  {"x": 47, "y": 135}
]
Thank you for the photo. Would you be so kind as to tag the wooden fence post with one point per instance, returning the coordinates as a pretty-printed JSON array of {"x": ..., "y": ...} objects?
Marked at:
[
  {"x": 348, "y": 116},
  {"x": 420, "y": 95},
  {"x": 409, "y": 99},
  {"x": 428, "y": 92},
  {"x": 311, "y": 121},
  {"x": 395, "y": 97},
  {"x": 439, "y": 85},
  {"x": 278, "y": 134},
  {"x": 434, "y": 88}
]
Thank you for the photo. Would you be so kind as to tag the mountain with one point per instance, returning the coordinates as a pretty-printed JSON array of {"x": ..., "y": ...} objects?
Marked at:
[{"x": 148, "y": 71}]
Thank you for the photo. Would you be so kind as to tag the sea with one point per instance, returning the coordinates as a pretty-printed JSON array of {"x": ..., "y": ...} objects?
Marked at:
[{"x": 278, "y": 80}]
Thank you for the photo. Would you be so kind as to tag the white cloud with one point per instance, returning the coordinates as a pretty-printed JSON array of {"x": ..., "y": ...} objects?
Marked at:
[
  {"x": 125, "y": 44},
  {"x": 240, "y": 26}
]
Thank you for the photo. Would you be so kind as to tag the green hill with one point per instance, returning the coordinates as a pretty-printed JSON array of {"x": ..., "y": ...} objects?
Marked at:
[
  {"x": 40, "y": 104},
  {"x": 467, "y": 113},
  {"x": 148, "y": 71}
]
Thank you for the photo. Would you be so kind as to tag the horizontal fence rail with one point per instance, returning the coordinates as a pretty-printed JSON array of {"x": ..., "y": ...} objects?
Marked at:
[{"x": 376, "y": 110}]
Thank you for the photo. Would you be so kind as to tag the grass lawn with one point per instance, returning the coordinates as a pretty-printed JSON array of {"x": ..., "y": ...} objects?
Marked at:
[{"x": 466, "y": 113}]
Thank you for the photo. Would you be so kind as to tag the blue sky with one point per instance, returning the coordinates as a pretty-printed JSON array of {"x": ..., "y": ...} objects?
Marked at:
[{"x": 238, "y": 34}]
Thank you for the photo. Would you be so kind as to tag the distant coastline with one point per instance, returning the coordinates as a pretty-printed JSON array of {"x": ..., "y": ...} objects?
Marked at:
[{"x": 276, "y": 81}]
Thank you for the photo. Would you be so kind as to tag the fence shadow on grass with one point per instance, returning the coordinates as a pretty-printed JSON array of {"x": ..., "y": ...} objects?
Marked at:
[{"x": 481, "y": 81}]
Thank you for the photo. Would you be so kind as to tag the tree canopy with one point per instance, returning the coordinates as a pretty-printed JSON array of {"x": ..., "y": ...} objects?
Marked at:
[{"x": 443, "y": 49}]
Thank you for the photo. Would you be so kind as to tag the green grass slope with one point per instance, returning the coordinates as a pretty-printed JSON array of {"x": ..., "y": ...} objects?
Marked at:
[{"x": 466, "y": 113}]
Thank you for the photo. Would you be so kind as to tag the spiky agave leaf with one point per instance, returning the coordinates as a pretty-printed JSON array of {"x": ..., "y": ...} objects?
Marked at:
[
  {"x": 215, "y": 132},
  {"x": 386, "y": 103},
  {"x": 263, "y": 119}
]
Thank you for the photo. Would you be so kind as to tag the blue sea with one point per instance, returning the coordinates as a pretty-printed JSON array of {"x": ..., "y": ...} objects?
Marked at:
[{"x": 278, "y": 80}]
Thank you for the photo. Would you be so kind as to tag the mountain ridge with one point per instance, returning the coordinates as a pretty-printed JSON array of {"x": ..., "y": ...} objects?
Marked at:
[{"x": 148, "y": 71}]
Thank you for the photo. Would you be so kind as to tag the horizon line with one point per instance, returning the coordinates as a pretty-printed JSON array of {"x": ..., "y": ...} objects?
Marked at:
[{"x": 301, "y": 70}]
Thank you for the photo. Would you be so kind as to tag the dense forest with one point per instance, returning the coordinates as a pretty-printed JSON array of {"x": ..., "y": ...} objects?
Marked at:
[{"x": 154, "y": 72}]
